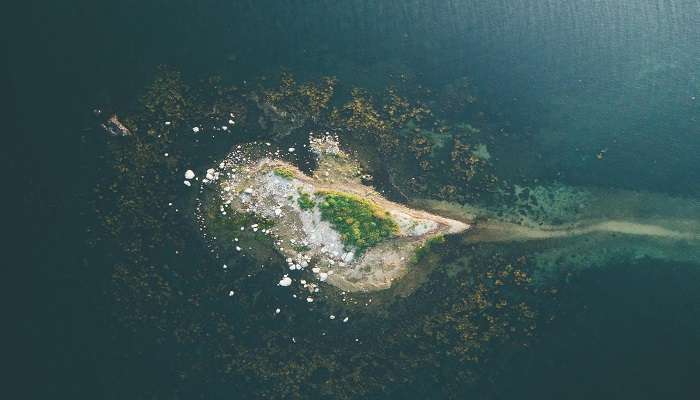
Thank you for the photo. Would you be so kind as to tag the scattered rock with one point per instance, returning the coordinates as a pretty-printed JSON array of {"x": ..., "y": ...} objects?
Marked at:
[{"x": 285, "y": 281}]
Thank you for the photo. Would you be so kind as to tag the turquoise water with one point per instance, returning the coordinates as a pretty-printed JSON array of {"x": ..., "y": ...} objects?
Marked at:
[{"x": 587, "y": 94}]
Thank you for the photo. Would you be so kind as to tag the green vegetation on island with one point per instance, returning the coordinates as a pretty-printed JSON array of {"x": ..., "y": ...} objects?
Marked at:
[
  {"x": 284, "y": 172},
  {"x": 360, "y": 223},
  {"x": 305, "y": 201}
]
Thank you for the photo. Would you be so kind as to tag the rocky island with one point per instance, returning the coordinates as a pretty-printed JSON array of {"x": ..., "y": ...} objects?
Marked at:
[{"x": 330, "y": 224}]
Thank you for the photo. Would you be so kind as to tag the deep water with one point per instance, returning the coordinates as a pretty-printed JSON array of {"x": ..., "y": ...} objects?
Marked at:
[
  {"x": 600, "y": 93},
  {"x": 626, "y": 335}
]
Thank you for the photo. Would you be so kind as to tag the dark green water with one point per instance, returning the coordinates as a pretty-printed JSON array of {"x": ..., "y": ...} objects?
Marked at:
[{"x": 565, "y": 79}]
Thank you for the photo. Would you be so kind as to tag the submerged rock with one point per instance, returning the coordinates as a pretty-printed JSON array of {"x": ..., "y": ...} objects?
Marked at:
[{"x": 114, "y": 127}]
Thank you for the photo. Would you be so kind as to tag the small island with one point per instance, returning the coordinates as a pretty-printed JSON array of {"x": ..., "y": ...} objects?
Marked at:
[{"x": 343, "y": 232}]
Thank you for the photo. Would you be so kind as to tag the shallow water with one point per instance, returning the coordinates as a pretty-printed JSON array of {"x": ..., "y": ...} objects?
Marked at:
[{"x": 589, "y": 94}]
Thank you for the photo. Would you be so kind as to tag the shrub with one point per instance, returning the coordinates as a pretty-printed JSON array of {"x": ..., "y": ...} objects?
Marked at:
[{"x": 305, "y": 201}]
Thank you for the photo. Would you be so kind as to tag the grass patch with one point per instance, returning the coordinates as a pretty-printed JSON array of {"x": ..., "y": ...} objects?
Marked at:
[
  {"x": 361, "y": 224},
  {"x": 305, "y": 201},
  {"x": 284, "y": 172}
]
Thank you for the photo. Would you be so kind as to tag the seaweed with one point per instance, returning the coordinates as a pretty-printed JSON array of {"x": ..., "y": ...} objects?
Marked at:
[{"x": 429, "y": 245}]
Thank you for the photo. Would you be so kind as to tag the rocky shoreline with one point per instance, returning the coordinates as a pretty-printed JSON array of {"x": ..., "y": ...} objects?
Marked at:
[{"x": 277, "y": 192}]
